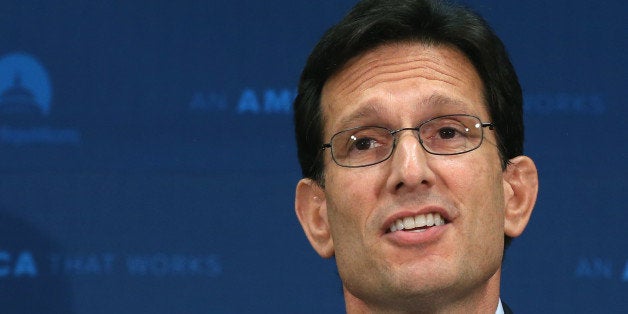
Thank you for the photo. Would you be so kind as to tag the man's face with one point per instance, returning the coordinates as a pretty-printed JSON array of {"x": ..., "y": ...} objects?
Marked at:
[{"x": 399, "y": 86}]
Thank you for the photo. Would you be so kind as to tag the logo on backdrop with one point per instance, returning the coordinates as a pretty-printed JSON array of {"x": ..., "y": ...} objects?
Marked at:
[
  {"x": 30, "y": 264},
  {"x": 248, "y": 102},
  {"x": 565, "y": 103},
  {"x": 25, "y": 103},
  {"x": 278, "y": 101},
  {"x": 601, "y": 268},
  {"x": 25, "y": 86}
]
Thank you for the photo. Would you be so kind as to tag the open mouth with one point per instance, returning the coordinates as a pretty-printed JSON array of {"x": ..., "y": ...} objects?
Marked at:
[{"x": 418, "y": 223}]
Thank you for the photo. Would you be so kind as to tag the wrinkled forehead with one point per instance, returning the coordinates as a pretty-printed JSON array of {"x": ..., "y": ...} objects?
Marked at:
[{"x": 413, "y": 64}]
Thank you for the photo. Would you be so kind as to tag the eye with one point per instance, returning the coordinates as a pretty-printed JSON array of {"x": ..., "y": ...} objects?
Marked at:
[
  {"x": 447, "y": 133},
  {"x": 364, "y": 143}
]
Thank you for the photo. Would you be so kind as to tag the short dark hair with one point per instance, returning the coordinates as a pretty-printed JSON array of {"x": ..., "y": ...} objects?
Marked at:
[{"x": 373, "y": 23}]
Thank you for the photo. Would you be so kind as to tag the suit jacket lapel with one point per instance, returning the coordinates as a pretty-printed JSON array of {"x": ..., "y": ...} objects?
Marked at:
[{"x": 507, "y": 310}]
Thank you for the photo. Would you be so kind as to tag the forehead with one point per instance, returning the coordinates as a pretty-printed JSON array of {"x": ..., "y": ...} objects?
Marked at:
[{"x": 402, "y": 78}]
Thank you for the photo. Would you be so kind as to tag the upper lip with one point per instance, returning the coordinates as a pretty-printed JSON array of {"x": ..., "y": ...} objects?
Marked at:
[{"x": 411, "y": 213}]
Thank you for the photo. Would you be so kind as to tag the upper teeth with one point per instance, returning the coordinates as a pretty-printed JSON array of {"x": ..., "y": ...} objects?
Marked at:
[{"x": 418, "y": 221}]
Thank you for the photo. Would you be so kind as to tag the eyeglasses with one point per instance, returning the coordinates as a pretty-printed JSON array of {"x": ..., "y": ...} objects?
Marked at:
[{"x": 445, "y": 135}]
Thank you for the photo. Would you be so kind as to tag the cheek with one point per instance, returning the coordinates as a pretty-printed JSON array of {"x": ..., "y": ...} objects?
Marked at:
[
  {"x": 352, "y": 187},
  {"x": 352, "y": 195},
  {"x": 478, "y": 192},
  {"x": 459, "y": 178},
  {"x": 342, "y": 198},
  {"x": 477, "y": 189}
]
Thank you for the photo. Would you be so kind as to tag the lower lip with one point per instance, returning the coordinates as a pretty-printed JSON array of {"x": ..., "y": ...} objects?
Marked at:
[{"x": 407, "y": 238}]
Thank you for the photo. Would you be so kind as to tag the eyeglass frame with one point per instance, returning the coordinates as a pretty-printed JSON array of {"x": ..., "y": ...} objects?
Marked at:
[{"x": 483, "y": 125}]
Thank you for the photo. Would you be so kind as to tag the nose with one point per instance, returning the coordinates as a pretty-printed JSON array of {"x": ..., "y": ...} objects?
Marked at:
[{"x": 410, "y": 168}]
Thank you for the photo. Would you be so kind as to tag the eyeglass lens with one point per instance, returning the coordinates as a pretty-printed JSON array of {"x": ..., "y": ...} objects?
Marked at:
[{"x": 446, "y": 135}]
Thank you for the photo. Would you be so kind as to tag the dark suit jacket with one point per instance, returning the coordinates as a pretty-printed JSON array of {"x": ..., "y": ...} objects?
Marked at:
[{"x": 507, "y": 310}]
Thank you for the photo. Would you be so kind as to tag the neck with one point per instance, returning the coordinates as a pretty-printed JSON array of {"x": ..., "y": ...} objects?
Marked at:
[{"x": 482, "y": 299}]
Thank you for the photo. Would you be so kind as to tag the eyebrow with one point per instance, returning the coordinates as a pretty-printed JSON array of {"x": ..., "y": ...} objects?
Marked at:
[
  {"x": 368, "y": 111},
  {"x": 436, "y": 101},
  {"x": 433, "y": 104}
]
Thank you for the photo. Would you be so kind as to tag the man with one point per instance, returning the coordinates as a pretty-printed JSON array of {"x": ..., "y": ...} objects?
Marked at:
[{"x": 410, "y": 138}]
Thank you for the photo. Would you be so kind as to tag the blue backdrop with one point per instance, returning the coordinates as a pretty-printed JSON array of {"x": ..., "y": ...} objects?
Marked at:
[{"x": 148, "y": 164}]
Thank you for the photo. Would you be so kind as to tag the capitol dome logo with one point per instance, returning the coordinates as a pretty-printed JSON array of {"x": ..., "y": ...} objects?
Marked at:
[
  {"x": 25, "y": 96},
  {"x": 24, "y": 86}
]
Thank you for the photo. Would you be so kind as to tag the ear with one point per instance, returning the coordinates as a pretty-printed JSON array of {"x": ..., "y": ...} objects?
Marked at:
[
  {"x": 311, "y": 209},
  {"x": 521, "y": 185}
]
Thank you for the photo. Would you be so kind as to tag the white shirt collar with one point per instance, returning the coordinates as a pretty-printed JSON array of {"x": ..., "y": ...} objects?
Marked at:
[{"x": 500, "y": 308}]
